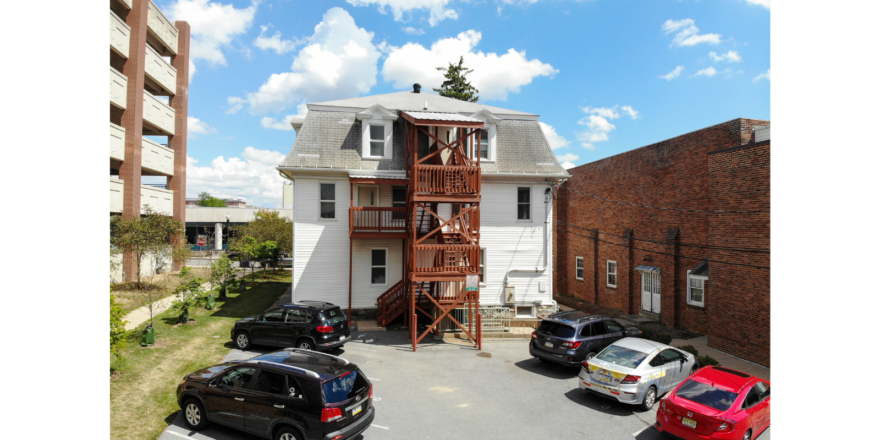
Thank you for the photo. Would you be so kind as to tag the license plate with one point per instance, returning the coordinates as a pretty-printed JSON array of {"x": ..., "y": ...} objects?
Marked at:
[
  {"x": 605, "y": 378},
  {"x": 342, "y": 338},
  {"x": 548, "y": 344},
  {"x": 357, "y": 409},
  {"x": 689, "y": 423}
]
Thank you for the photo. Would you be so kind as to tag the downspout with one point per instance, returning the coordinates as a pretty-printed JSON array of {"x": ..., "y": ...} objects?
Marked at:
[{"x": 548, "y": 200}]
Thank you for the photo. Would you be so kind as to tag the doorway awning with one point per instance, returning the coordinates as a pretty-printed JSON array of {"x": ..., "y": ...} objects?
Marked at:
[{"x": 648, "y": 269}]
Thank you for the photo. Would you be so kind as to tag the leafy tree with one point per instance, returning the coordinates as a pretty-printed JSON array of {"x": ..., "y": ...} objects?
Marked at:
[
  {"x": 248, "y": 248},
  {"x": 456, "y": 85},
  {"x": 152, "y": 237},
  {"x": 267, "y": 251},
  {"x": 207, "y": 200},
  {"x": 222, "y": 274},
  {"x": 117, "y": 327},
  {"x": 188, "y": 292},
  {"x": 267, "y": 225}
]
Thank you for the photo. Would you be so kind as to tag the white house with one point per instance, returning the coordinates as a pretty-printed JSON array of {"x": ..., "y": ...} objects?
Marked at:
[{"x": 367, "y": 174}]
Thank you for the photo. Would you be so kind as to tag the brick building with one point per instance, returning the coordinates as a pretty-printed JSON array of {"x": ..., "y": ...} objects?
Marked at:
[
  {"x": 700, "y": 270},
  {"x": 149, "y": 79}
]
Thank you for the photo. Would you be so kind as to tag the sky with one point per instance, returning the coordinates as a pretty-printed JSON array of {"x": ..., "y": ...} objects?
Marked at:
[{"x": 606, "y": 76}]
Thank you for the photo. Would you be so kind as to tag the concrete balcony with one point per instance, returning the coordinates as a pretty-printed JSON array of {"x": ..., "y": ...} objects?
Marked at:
[
  {"x": 124, "y": 3},
  {"x": 117, "y": 188},
  {"x": 157, "y": 158},
  {"x": 162, "y": 29},
  {"x": 118, "y": 88},
  {"x": 158, "y": 115},
  {"x": 160, "y": 200},
  {"x": 119, "y": 35},
  {"x": 158, "y": 70},
  {"x": 117, "y": 142}
]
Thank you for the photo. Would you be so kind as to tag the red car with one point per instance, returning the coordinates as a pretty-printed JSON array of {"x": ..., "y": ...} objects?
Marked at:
[{"x": 716, "y": 403}]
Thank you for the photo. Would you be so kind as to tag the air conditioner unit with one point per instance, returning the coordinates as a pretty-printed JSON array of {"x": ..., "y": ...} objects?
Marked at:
[{"x": 509, "y": 295}]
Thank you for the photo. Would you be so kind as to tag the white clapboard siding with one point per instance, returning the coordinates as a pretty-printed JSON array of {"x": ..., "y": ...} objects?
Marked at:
[
  {"x": 117, "y": 142},
  {"x": 320, "y": 270},
  {"x": 363, "y": 292}
]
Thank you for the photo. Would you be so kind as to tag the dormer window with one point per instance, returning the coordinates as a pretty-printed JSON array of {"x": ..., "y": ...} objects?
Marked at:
[
  {"x": 377, "y": 123},
  {"x": 484, "y": 144},
  {"x": 487, "y": 134},
  {"x": 377, "y": 140}
]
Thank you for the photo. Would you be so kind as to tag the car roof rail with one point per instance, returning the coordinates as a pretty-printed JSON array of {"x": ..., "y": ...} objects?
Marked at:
[
  {"x": 317, "y": 353},
  {"x": 291, "y": 367}
]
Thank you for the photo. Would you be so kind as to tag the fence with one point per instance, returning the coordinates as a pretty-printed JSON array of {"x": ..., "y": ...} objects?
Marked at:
[{"x": 499, "y": 323}]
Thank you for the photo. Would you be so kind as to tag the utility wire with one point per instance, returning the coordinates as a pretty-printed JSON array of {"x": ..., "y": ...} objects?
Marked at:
[
  {"x": 671, "y": 255},
  {"x": 660, "y": 207},
  {"x": 717, "y": 248}
]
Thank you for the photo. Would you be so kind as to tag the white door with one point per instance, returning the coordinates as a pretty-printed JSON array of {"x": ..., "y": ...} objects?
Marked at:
[{"x": 651, "y": 292}]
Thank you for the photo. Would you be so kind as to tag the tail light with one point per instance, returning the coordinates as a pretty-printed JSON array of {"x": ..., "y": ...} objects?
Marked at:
[
  {"x": 534, "y": 335},
  {"x": 630, "y": 379},
  {"x": 726, "y": 425},
  {"x": 330, "y": 414},
  {"x": 371, "y": 391},
  {"x": 325, "y": 329},
  {"x": 587, "y": 367},
  {"x": 571, "y": 345}
]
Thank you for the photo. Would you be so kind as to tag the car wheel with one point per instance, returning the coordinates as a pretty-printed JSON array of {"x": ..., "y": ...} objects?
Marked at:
[
  {"x": 650, "y": 399},
  {"x": 305, "y": 344},
  {"x": 242, "y": 340},
  {"x": 590, "y": 355},
  {"x": 194, "y": 415},
  {"x": 748, "y": 435},
  {"x": 693, "y": 370},
  {"x": 287, "y": 433}
]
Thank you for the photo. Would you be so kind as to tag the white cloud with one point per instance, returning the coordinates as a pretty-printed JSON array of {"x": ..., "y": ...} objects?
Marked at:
[
  {"x": 555, "y": 140},
  {"x": 688, "y": 33},
  {"x": 212, "y": 27},
  {"x": 709, "y": 71},
  {"x": 413, "y": 31},
  {"x": 437, "y": 8},
  {"x": 275, "y": 42},
  {"x": 235, "y": 104},
  {"x": 495, "y": 76},
  {"x": 192, "y": 70},
  {"x": 764, "y": 75},
  {"x": 194, "y": 125},
  {"x": 284, "y": 123},
  {"x": 674, "y": 74},
  {"x": 254, "y": 177},
  {"x": 731, "y": 57},
  {"x": 338, "y": 62},
  {"x": 764, "y": 3},
  {"x": 598, "y": 125},
  {"x": 567, "y": 160},
  {"x": 567, "y": 165}
]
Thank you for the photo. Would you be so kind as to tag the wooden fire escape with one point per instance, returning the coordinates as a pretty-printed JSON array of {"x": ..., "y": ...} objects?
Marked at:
[{"x": 439, "y": 252}]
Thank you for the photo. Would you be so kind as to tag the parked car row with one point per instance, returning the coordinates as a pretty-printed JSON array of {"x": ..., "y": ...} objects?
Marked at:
[
  {"x": 296, "y": 393},
  {"x": 697, "y": 403}
]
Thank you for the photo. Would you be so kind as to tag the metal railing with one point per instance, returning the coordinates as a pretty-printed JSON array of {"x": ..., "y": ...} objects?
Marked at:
[{"x": 498, "y": 323}]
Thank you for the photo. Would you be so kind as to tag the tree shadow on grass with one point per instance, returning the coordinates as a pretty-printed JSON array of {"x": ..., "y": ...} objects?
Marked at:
[{"x": 251, "y": 302}]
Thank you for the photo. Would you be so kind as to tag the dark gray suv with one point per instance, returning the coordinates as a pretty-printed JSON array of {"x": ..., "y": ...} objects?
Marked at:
[{"x": 571, "y": 337}]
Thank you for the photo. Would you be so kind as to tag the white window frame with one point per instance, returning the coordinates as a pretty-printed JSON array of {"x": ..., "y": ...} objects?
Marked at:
[
  {"x": 518, "y": 315},
  {"x": 334, "y": 201},
  {"x": 492, "y": 129},
  {"x": 484, "y": 256},
  {"x": 576, "y": 261},
  {"x": 516, "y": 199},
  {"x": 696, "y": 277},
  {"x": 609, "y": 273},
  {"x": 382, "y": 266},
  {"x": 365, "y": 138}
]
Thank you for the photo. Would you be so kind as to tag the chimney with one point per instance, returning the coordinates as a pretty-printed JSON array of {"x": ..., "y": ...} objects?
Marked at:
[{"x": 417, "y": 88}]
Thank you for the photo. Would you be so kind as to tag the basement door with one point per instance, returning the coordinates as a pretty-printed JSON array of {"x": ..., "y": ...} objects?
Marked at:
[{"x": 651, "y": 291}]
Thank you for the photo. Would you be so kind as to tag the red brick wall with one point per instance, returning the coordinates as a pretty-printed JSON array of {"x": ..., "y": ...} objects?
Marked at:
[
  {"x": 740, "y": 306},
  {"x": 671, "y": 173}
]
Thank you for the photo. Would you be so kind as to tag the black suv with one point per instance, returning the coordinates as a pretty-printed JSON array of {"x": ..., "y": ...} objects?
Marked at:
[
  {"x": 292, "y": 394},
  {"x": 571, "y": 337},
  {"x": 312, "y": 325}
]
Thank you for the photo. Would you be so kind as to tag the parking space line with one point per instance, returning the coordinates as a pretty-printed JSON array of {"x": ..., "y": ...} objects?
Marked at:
[
  {"x": 380, "y": 427},
  {"x": 358, "y": 348},
  {"x": 636, "y": 434},
  {"x": 177, "y": 434},
  {"x": 373, "y": 378}
]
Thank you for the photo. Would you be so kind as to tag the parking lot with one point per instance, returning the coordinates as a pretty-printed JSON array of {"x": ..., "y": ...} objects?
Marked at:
[{"x": 450, "y": 390}]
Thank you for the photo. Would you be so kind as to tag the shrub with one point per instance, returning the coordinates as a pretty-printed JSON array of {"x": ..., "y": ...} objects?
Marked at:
[
  {"x": 708, "y": 360},
  {"x": 647, "y": 333},
  {"x": 690, "y": 349},
  {"x": 117, "y": 327}
]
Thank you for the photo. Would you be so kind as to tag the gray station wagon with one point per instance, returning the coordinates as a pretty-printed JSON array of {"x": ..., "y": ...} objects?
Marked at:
[{"x": 571, "y": 337}]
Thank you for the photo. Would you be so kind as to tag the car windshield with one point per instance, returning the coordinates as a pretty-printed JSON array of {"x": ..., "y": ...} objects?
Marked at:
[
  {"x": 706, "y": 394},
  {"x": 556, "y": 329},
  {"x": 344, "y": 387},
  {"x": 334, "y": 316},
  {"x": 625, "y": 357}
]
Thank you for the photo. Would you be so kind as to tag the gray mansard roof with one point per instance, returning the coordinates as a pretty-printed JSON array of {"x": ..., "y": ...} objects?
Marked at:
[{"x": 330, "y": 136}]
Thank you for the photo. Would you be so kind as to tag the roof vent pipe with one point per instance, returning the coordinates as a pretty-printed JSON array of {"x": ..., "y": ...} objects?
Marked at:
[{"x": 417, "y": 88}]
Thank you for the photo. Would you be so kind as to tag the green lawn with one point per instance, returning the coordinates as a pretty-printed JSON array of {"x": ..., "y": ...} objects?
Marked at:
[{"x": 142, "y": 395}]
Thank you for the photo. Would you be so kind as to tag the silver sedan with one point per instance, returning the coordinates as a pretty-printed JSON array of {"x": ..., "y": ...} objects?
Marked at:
[{"x": 636, "y": 371}]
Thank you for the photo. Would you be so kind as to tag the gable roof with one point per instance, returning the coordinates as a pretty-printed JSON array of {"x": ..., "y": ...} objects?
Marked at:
[{"x": 410, "y": 101}]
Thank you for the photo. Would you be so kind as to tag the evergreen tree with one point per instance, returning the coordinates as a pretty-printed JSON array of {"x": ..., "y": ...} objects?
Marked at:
[{"x": 456, "y": 85}]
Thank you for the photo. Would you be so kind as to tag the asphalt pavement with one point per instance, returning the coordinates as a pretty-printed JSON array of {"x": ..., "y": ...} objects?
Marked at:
[{"x": 448, "y": 389}]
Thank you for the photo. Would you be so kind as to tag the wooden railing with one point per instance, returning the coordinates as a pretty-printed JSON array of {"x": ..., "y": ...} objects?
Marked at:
[
  {"x": 447, "y": 179},
  {"x": 464, "y": 258},
  {"x": 389, "y": 302},
  {"x": 370, "y": 219}
]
